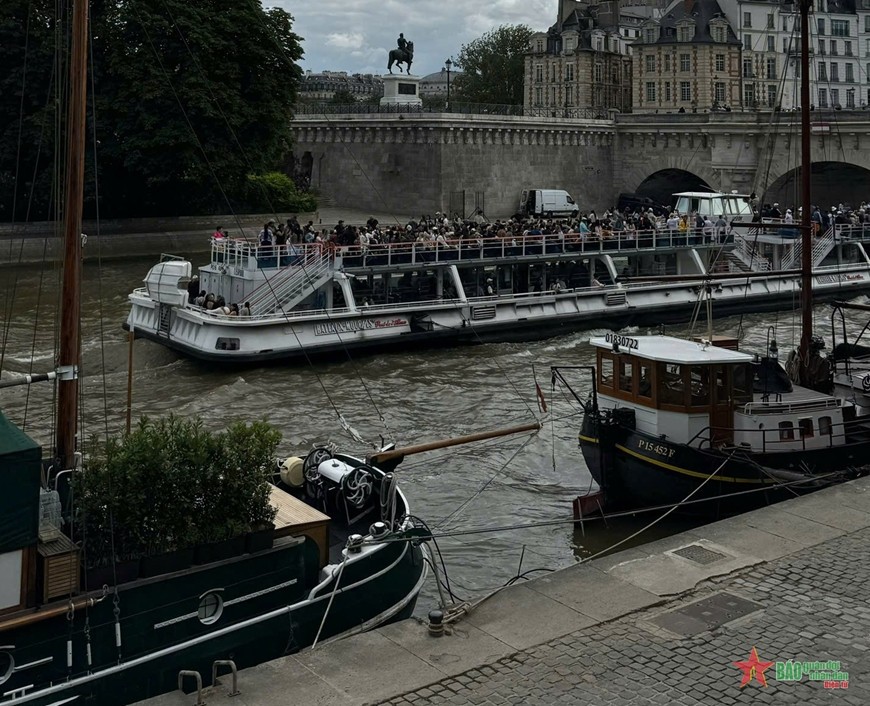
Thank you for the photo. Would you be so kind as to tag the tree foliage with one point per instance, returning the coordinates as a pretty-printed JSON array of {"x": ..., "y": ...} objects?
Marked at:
[
  {"x": 173, "y": 483},
  {"x": 492, "y": 67},
  {"x": 189, "y": 98}
]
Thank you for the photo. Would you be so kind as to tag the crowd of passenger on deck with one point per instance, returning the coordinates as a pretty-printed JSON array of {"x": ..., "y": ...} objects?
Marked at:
[{"x": 445, "y": 231}]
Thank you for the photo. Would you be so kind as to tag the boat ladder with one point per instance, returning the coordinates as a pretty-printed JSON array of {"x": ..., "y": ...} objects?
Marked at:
[
  {"x": 290, "y": 285},
  {"x": 821, "y": 247}
]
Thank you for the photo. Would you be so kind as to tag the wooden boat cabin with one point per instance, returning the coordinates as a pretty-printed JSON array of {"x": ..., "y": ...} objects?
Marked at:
[{"x": 695, "y": 393}]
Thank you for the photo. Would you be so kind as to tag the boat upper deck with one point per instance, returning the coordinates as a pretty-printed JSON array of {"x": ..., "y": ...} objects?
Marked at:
[{"x": 245, "y": 255}]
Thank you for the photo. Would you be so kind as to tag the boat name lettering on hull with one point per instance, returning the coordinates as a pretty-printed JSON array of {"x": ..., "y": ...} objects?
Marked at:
[
  {"x": 657, "y": 449},
  {"x": 356, "y": 325}
]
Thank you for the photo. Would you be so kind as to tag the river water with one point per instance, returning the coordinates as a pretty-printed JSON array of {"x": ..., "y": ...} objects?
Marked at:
[{"x": 405, "y": 397}]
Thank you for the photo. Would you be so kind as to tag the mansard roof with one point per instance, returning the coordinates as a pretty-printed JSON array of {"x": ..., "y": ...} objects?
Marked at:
[{"x": 700, "y": 12}]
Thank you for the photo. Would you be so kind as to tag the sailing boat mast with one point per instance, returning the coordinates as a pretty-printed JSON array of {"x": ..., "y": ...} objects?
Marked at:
[
  {"x": 70, "y": 333},
  {"x": 806, "y": 215}
]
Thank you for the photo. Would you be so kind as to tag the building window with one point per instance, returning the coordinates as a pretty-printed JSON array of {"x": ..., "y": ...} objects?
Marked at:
[
  {"x": 747, "y": 19},
  {"x": 599, "y": 72},
  {"x": 720, "y": 34},
  {"x": 747, "y": 68},
  {"x": 770, "y": 20},
  {"x": 839, "y": 28},
  {"x": 835, "y": 72},
  {"x": 771, "y": 68},
  {"x": 748, "y": 95},
  {"x": 649, "y": 64},
  {"x": 771, "y": 95},
  {"x": 667, "y": 91},
  {"x": 650, "y": 34},
  {"x": 850, "y": 73},
  {"x": 850, "y": 98},
  {"x": 747, "y": 42},
  {"x": 823, "y": 98},
  {"x": 720, "y": 62},
  {"x": 833, "y": 45},
  {"x": 821, "y": 25},
  {"x": 685, "y": 63},
  {"x": 539, "y": 96},
  {"x": 539, "y": 73},
  {"x": 784, "y": 23},
  {"x": 719, "y": 91},
  {"x": 569, "y": 95},
  {"x": 685, "y": 91},
  {"x": 650, "y": 91},
  {"x": 685, "y": 32},
  {"x": 823, "y": 71},
  {"x": 867, "y": 23},
  {"x": 569, "y": 72},
  {"x": 667, "y": 63},
  {"x": 847, "y": 48},
  {"x": 785, "y": 47},
  {"x": 822, "y": 47},
  {"x": 835, "y": 97},
  {"x": 867, "y": 45},
  {"x": 771, "y": 43}
]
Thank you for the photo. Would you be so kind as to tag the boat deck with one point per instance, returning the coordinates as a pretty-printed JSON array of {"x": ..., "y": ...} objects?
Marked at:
[{"x": 295, "y": 517}]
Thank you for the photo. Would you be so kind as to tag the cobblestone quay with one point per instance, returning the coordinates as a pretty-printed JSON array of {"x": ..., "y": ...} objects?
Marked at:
[{"x": 769, "y": 607}]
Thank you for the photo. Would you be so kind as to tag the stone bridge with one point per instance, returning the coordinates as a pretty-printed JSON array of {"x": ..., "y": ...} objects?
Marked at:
[{"x": 427, "y": 162}]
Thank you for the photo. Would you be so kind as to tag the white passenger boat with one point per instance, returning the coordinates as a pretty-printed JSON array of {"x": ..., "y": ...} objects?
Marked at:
[{"x": 308, "y": 299}]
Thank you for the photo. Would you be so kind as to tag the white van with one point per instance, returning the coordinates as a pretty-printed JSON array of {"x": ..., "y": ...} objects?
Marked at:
[{"x": 547, "y": 202}]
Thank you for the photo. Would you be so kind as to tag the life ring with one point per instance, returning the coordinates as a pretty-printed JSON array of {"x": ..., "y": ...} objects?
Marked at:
[{"x": 865, "y": 382}]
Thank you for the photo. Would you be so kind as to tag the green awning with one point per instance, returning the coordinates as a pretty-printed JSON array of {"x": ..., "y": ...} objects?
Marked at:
[{"x": 20, "y": 472}]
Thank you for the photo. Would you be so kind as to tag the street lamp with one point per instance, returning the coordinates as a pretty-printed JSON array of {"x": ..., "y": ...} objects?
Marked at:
[{"x": 448, "y": 65}]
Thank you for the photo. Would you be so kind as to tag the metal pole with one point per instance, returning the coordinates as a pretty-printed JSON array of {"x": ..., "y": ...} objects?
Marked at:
[
  {"x": 70, "y": 333},
  {"x": 130, "y": 337},
  {"x": 806, "y": 196}
]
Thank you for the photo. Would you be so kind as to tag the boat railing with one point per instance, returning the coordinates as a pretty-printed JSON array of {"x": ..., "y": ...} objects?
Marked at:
[
  {"x": 776, "y": 406},
  {"x": 852, "y": 232},
  {"x": 776, "y": 438},
  {"x": 822, "y": 245},
  {"x": 475, "y": 248}
]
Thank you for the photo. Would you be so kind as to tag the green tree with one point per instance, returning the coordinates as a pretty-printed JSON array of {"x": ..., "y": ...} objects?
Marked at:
[
  {"x": 190, "y": 98},
  {"x": 342, "y": 97},
  {"x": 492, "y": 67}
]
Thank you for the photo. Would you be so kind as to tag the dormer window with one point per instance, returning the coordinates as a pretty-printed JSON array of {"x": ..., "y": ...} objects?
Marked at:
[
  {"x": 685, "y": 31},
  {"x": 719, "y": 32},
  {"x": 650, "y": 35}
]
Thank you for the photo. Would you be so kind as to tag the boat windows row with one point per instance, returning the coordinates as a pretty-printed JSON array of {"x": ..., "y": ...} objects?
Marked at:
[{"x": 673, "y": 386}]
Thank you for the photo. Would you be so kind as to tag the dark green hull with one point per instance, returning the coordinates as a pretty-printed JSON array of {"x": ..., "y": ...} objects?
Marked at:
[{"x": 272, "y": 605}]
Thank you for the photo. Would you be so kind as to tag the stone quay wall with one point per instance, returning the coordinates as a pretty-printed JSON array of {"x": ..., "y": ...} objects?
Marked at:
[{"x": 416, "y": 162}]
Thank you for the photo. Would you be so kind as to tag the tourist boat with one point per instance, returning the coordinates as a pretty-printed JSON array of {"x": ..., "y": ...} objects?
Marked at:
[
  {"x": 672, "y": 419},
  {"x": 711, "y": 430},
  {"x": 307, "y": 299},
  {"x": 69, "y": 635}
]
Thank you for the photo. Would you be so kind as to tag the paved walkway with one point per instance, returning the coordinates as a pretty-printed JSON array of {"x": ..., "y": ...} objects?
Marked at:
[{"x": 660, "y": 624}]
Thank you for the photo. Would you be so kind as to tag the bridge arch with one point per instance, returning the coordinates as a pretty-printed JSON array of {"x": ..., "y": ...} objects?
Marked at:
[
  {"x": 662, "y": 184},
  {"x": 832, "y": 182}
]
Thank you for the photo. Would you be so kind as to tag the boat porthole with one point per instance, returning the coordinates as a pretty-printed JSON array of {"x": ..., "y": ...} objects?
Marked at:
[
  {"x": 211, "y": 606},
  {"x": 7, "y": 666}
]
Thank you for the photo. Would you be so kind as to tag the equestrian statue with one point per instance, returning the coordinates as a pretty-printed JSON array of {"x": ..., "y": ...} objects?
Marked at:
[{"x": 403, "y": 54}]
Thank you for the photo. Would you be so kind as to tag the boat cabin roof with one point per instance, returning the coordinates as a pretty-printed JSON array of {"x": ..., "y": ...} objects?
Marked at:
[
  {"x": 710, "y": 195},
  {"x": 669, "y": 349}
]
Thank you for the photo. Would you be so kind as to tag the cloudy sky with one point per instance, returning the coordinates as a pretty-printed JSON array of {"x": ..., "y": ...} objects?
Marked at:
[{"x": 354, "y": 35}]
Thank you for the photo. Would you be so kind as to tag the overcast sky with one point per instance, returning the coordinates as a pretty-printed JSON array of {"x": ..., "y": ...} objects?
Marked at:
[{"x": 354, "y": 35}]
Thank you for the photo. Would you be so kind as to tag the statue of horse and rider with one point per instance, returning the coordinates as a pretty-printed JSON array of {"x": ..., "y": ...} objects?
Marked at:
[{"x": 404, "y": 54}]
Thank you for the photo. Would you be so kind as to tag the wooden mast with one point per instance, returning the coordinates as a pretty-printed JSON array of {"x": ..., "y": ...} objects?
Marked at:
[
  {"x": 806, "y": 215},
  {"x": 70, "y": 333}
]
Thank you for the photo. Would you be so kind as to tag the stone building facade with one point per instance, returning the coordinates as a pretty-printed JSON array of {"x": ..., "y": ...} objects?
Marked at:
[
  {"x": 322, "y": 86},
  {"x": 689, "y": 61},
  {"x": 581, "y": 65}
]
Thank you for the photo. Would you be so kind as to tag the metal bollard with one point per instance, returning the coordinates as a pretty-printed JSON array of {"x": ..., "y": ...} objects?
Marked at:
[
  {"x": 436, "y": 623},
  {"x": 196, "y": 675},
  {"x": 232, "y": 665}
]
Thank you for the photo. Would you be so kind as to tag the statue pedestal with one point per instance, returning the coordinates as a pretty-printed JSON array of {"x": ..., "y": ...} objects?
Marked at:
[{"x": 401, "y": 89}]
